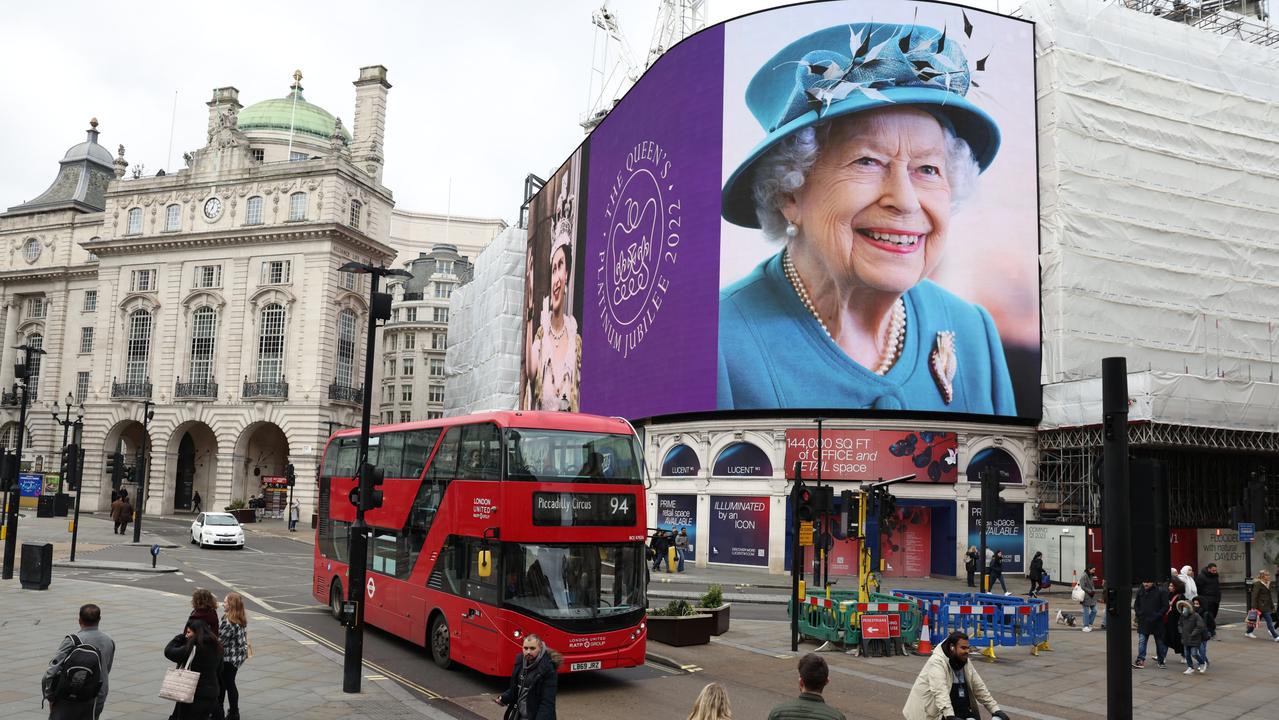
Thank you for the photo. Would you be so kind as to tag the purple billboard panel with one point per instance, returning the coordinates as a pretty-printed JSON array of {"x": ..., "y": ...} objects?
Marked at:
[
  {"x": 680, "y": 461},
  {"x": 739, "y": 529},
  {"x": 652, "y": 240},
  {"x": 679, "y": 512}
]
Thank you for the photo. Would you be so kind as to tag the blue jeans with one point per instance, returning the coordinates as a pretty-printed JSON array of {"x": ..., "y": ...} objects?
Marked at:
[
  {"x": 1203, "y": 651},
  {"x": 1192, "y": 656},
  {"x": 679, "y": 555},
  {"x": 1090, "y": 614},
  {"x": 1161, "y": 649}
]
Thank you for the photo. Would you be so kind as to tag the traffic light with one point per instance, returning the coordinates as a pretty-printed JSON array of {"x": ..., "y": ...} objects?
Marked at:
[
  {"x": 805, "y": 503},
  {"x": 8, "y": 471},
  {"x": 850, "y": 513},
  {"x": 70, "y": 454},
  {"x": 290, "y": 474},
  {"x": 824, "y": 499},
  {"x": 115, "y": 468},
  {"x": 1255, "y": 500},
  {"x": 990, "y": 499},
  {"x": 371, "y": 483}
]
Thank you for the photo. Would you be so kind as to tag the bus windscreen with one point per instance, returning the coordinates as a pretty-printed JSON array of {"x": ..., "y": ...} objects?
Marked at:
[
  {"x": 574, "y": 582},
  {"x": 563, "y": 456}
]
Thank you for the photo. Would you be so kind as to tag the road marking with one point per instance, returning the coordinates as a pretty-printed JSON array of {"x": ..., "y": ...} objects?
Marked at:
[
  {"x": 188, "y": 580},
  {"x": 1018, "y": 712},
  {"x": 254, "y": 598}
]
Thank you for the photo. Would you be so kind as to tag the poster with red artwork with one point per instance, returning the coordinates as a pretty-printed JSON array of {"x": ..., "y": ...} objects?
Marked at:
[{"x": 907, "y": 543}]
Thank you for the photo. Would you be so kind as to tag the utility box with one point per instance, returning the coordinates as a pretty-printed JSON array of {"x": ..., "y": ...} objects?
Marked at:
[
  {"x": 37, "y": 566},
  {"x": 44, "y": 506}
]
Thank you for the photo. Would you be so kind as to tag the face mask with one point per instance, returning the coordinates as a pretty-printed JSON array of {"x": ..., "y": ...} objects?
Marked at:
[{"x": 1185, "y": 611}]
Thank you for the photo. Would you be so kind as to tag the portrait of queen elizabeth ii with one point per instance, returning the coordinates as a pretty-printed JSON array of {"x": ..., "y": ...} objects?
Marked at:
[{"x": 871, "y": 146}]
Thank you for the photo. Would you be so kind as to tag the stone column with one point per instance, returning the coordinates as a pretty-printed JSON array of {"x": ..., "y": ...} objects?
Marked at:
[{"x": 12, "y": 307}]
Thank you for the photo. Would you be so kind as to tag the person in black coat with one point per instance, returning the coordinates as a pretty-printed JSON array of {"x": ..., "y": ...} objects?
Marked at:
[
  {"x": 1171, "y": 617},
  {"x": 970, "y": 564},
  {"x": 207, "y": 661},
  {"x": 995, "y": 573},
  {"x": 1036, "y": 574},
  {"x": 534, "y": 681},
  {"x": 1209, "y": 584},
  {"x": 1149, "y": 605}
]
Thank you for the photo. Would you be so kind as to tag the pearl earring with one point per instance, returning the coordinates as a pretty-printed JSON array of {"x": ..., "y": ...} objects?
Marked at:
[{"x": 792, "y": 230}]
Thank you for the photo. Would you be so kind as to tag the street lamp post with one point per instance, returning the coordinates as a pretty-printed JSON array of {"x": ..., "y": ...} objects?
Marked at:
[
  {"x": 379, "y": 309},
  {"x": 66, "y": 422},
  {"x": 11, "y": 527},
  {"x": 78, "y": 471},
  {"x": 147, "y": 414}
]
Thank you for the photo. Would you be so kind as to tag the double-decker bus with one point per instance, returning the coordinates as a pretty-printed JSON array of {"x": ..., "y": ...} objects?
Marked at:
[{"x": 494, "y": 526}]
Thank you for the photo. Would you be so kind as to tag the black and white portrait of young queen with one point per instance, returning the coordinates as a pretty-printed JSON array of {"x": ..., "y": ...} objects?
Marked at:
[{"x": 879, "y": 245}]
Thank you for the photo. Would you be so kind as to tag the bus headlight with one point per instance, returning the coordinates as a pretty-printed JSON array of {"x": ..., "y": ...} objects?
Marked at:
[{"x": 517, "y": 634}]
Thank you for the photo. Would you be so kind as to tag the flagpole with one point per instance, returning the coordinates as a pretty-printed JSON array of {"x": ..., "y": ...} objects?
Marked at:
[{"x": 297, "y": 88}]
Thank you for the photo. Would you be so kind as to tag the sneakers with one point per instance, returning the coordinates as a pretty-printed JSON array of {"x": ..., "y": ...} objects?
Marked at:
[
  {"x": 1139, "y": 663},
  {"x": 1088, "y": 628},
  {"x": 1203, "y": 668},
  {"x": 1162, "y": 665},
  {"x": 1250, "y": 635},
  {"x": 1277, "y": 638},
  {"x": 1189, "y": 671}
]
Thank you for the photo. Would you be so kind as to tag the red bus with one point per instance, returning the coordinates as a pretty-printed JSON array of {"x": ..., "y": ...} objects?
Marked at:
[{"x": 556, "y": 500}]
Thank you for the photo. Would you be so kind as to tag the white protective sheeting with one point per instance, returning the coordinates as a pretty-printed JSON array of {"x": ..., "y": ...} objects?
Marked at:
[
  {"x": 482, "y": 362},
  {"x": 1159, "y": 204}
]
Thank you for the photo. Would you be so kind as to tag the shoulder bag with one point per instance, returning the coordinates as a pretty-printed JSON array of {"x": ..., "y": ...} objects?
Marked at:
[{"x": 179, "y": 683}]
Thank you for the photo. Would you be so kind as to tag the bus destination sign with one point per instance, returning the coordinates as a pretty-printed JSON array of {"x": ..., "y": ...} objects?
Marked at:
[{"x": 583, "y": 509}]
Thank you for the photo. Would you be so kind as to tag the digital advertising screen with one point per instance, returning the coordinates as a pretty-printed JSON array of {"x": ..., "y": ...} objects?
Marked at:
[{"x": 831, "y": 205}]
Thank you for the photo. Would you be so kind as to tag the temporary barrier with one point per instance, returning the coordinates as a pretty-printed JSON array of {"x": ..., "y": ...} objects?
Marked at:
[
  {"x": 989, "y": 620},
  {"x": 837, "y": 618}
]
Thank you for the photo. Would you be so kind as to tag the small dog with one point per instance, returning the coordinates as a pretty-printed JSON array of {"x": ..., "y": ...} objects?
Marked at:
[{"x": 1065, "y": 618}]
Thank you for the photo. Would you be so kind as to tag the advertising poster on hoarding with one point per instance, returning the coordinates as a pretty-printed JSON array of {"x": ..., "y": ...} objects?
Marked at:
[
  {"x": 680, "y": 461},
  {"x": 875, "y": 454},
  {"x": 679, "y": 511},
  {"x": 1007, "y": 533},
  {"x": 739, "y": 529},
  {"x": 745, "y": 245},
  {"x": 30, "y": 484},
  {"x": 907, "y": 543}
]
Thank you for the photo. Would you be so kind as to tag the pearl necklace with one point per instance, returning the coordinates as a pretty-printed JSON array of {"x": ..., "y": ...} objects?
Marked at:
[{"x": 895, "y": 338}]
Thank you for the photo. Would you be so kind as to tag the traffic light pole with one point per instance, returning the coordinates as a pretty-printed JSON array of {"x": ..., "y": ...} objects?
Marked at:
[
  {"x": 142, "y": 471},
  {"x": 821, "y": 561},
  {"x": 11, "y": 526},
  {"x": 981, "y": 550},
  {"x": 797, "y": 560},
  {"x": 1116, "y": 515}
]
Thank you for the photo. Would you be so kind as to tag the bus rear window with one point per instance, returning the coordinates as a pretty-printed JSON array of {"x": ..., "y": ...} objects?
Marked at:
[{"x": 563, "y": 456}]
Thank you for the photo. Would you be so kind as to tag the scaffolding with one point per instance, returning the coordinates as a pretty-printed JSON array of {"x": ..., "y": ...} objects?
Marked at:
[
  {"x": 1248, "y": 20},
  {"x": 1207, "y": 470}
]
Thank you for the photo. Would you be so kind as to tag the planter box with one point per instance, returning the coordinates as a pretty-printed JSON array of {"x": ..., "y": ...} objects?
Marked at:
[
  {"x": 720, "y": 614},
  {"x": 681, "y": 631},
  {"x": 246, "y": 515}
]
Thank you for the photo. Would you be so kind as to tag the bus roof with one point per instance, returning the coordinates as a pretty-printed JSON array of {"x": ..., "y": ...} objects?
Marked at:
[{"x": 537, "y": 419}]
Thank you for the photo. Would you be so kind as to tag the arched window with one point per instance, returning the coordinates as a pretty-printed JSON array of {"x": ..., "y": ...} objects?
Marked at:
[
  {"x": 271, "y": 344},
  {"x": 204, "y": 330},
  {"x": 346, "y": 349},
  {"x": 35, "y": 342},
  {"x": 297, "y": 206},
  {"x": 172, "y": 217},
  {"x": 138, "y": 354},
  {"x": 742, "y": 459},
  {"x": 31, "y": 250},
  {"x": 135, "y": 222},
  {"x": 9, "y": 436},
  {"x": 253, "y": 211}
]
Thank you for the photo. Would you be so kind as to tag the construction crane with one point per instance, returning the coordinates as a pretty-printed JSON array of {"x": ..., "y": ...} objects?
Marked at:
[{"x": 614, "y": 68}]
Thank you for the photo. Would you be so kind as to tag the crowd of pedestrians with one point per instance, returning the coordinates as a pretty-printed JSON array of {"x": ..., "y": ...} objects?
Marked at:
[{"x": 660, "y": 544}]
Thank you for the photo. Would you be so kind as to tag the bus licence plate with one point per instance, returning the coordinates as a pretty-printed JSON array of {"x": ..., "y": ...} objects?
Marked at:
[{"x": 593, "y": 665}]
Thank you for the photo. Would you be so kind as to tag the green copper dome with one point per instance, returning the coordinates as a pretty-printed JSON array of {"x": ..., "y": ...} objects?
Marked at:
[{"x": 293, "y": 111}]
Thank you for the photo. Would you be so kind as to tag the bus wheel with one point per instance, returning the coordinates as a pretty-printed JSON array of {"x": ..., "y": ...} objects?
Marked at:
[
  {"x": 335, "y": 600},
  {"x": 440, "y": 642}
]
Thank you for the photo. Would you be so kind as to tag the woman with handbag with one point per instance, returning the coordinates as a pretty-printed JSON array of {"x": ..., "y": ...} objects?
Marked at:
[
  {"x": 1036, "y": 574},
  {"x": 1264, "y": 604},
  {"x": 197, "y": 653},
  {"x": 970, "y": 564},
  {"x": 235, "y": 650}
]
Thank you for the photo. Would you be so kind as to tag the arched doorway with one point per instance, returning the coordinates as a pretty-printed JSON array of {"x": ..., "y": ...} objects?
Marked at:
[
  {"x": 126, "y": 438},
  {"x": 261, "y": 452},
  {"x": 185, "y": 485},
  {"x": 191, "y": 466}
]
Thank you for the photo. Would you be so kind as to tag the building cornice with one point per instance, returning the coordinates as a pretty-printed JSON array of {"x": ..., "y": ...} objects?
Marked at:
[
  {"x": 256, "y": 235},
  {"x": 60, "y": 272}
]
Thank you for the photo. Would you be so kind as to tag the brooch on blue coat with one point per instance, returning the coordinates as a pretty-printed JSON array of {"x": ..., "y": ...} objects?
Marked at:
[{"x": 943, "y": 362}]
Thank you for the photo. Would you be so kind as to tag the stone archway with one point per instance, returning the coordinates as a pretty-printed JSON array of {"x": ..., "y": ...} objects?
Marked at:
[
  {"x": 262, "y": 450},
  {"x": 126, "y": 437},
  {"x": 191, "y": 466}
]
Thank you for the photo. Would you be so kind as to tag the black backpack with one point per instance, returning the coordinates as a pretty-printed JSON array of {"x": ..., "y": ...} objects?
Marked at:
[{"x": 77, "y": 676}]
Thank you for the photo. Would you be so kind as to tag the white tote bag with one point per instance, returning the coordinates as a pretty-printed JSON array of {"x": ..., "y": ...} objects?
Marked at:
[
  {"x": 1078, "y": 594},
  {"x": 179, "y": 683}
]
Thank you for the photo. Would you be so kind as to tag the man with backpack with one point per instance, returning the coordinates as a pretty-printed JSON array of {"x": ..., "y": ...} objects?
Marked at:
[{"x": 76, "y": 682}]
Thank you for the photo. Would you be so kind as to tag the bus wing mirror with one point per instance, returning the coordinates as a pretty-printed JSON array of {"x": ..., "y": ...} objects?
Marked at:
[{"x": 486, "y": 563}]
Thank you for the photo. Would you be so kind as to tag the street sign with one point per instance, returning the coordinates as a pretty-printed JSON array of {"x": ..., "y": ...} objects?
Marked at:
[
  {"x": 880, "y": 627},
  {"x": 1247, "y": 532},
  {"x": 805, "y": 533}
]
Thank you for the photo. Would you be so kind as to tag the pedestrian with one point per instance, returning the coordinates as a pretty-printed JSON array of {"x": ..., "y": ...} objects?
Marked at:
[
  {"x": 1089, "y": 601},
  {"x": 196, "y": 503},
  {"x": 204, "y": 607},
  {"x": 810, "y": 705},
  {"x": 295, "y": 511},
  {"x": 681, "y": 547},
  {"x": 948, "y": 686},
  {"x": 534, "y": 679},
  {"x": 970, "y": 564},
  {"x": 995, "y": 572},
  {"x": 1036, "y": 574},
  {"x": 1210, "y": 625},
  {"x": 711, "y": 704},
  {"x": 1208, "y": 583},
  {"x": 1187, "y": 578},
  {"x": 660, "y": 545},
  {"x": 1172, "y": 628},
  {"x": 118, "y": 516},
  {"x": 1193, "y": 631},
  {"x": 115, "y": 495},
  {"x": 72, "y": 670},
  {"x": 1263, "y": 603},
  {"x": 233, "y": 633},
  {"x": 199, "y": 644},
  {"x": 1149, "y": 605}
]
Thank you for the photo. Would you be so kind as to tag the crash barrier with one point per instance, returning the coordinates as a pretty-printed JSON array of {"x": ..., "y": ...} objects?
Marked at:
[
  {"x": 838, "y": 618},
  {"x": 989, "y": 620}
]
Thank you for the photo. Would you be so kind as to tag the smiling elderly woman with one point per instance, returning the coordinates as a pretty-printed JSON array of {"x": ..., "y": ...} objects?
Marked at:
[{"x": 865, "y": 160}]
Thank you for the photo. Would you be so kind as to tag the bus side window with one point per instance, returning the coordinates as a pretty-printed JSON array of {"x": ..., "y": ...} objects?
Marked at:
[
  {"x": 390, "y": 454},
  {"x": 347, "y": 452},
  {"x": 444, "y": 464},
  {"x": 481, "y": 452},
  {"x": 418, "y": 445}
]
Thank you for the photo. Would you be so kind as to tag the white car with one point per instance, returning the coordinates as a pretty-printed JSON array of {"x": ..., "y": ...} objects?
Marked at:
[{"x": 217, "y": 529}]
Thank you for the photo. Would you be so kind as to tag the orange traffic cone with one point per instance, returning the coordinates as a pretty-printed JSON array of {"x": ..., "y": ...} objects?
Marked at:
[{"x": 925, "y": 644}]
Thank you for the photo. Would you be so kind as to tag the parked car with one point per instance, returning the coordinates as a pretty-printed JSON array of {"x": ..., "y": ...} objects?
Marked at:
[{"x": 217, "y": 529}]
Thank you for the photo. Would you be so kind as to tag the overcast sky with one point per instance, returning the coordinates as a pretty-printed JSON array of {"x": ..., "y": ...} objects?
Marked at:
[{"x": 484, "y": 92}]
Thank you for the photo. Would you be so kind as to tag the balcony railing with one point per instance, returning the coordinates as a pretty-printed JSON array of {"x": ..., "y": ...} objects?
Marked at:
[
  {"x": 346, "y": 393},
  {"x": 278, "y": 390},
  {"x": 207, "y": 389},
  {"x": 130, "y": 389},
  {"x": 14, "y": 399}
]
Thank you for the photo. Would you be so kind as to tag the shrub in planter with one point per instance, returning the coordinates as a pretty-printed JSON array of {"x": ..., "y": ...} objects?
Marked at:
[
  {"x": 712, "y": 603},
  {"x": 679, "y": 624}
]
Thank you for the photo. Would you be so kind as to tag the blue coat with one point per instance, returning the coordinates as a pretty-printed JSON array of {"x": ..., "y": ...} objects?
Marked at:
[{"x": 774, "y": 354}]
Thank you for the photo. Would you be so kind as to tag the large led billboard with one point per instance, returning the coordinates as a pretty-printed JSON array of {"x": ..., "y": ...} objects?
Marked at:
[{"x": 830, "y": 205}]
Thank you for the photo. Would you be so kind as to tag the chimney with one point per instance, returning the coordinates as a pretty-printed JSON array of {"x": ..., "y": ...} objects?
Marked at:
[
  {"x": 223, "y": 98},
  {"x": 370, "y": 120}
]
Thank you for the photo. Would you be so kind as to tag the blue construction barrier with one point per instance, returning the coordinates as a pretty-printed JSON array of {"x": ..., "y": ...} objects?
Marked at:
[{"x": 989, "y": 620}]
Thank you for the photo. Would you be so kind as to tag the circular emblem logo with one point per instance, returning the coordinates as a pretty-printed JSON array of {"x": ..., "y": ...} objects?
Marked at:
[{"x": 640, "y": 240}]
